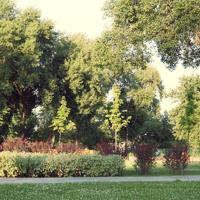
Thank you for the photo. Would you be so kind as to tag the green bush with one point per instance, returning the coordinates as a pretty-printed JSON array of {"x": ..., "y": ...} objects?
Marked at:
[
  {"x": 29, "y": 165},
  {"x": 7, "y": 164},
  {"x": 14, "y": 164}
]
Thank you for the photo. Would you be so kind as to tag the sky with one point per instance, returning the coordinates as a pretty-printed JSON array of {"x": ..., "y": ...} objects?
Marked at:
[
  {"x": 86, "y": 16},
  {"x": 71, "y": 16},
  {"x": 171, "y": 79}
]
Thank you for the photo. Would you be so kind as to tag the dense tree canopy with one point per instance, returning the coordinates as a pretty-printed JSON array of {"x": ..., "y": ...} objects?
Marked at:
[
  {"x": 172, "y": 25},
  {"x": 28, "y": 49},
  {"x": 50, "y": 81},
  {"x": 141, "y": 86},
  {"x": 185, "y": 116}
]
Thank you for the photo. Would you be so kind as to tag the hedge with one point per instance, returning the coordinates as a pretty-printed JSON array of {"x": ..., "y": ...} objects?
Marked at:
[{"x": 13, "y": 164}]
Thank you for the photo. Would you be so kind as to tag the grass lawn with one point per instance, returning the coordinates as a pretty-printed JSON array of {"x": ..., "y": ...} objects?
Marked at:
[
  {"x": 159, "y": 170},
  {"x": 104, "y": 191}
]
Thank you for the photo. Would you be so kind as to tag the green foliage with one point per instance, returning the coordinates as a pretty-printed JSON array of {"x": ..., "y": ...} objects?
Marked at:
[
  {"x": 85, "y": 165},
  {"x": 185, "y": 116},
  {"x": 39, "y": 67},
  {"x": 125, "y": 62},
  {"x": 59, "y": 165},
  {"x": 87, "y": 89},
  {"x": 29, "y": 165},
  {"x": 3, "y": 114},
  {"x": 114, "y": 115},
  {"x": 61, "y": 122},
  {"x": 144, "y": 107},
  {"x": 7, "y": 164},
  {"x": 31, "y": 58},
  {"x": 173, "y": 26},
  {"x": 83, "y": 76},
  {"x": 176, "y": 37},
  {"x": 7, "y": 9}
]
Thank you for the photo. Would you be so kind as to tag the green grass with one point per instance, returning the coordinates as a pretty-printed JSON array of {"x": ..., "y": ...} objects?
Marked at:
[
  {"x": 159, "y": 170},
  {"x": 105, "y": 191}
]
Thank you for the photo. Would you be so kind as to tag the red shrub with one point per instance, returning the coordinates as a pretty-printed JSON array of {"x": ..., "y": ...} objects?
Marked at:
[
  {"x": 16, "y": 144},
  {"x": 105, "y": 148},
  {"x": 19, "y": 145},
  {"x": 177, "y": 158},
  {"x": 68, "y": 148},
  {"x": 145, "y": 157},
  {"x": 39, "y": 146}
]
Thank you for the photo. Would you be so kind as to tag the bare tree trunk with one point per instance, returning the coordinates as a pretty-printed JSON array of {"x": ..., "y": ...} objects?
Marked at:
[
  {"x": 126, "y": 141},
  {"x": 76, "y": 138},
  {"x": 59, "y": 141},
  {"x": 116, "y": 145}
]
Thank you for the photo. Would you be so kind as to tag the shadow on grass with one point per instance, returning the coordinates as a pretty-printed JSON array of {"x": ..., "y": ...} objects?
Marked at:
[{"x": 159, "y": 170}]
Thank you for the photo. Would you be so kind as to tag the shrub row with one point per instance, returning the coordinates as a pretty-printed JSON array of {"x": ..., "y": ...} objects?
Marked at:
[
  {"x": 13, "y": 164},
  {"x": 23, "y": 145}
]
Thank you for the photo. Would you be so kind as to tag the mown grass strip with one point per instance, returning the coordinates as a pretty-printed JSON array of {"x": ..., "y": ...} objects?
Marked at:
[{"x": 102, "y": 191}]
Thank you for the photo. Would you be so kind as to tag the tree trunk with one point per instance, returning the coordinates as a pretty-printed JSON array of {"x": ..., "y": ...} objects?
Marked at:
[
  {"x": 126, "y": 141},
  {"x": 76, "y": 138},
  {"x": 116, "y": 145},
  {"x": 23, "y": 120},
  {"x": 59, "y": 141}
]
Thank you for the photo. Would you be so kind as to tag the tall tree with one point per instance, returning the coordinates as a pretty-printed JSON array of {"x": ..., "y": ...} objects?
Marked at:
[
  {"x": 141, "y": 86},
  {"x": 115, "y": 118},
  {"x": 62, "y": 122},
  {"x": 28, "y": 53},
  {"x": 185, "y": 116},
  {"x": 144, "y": 104},
  {"x": 87, "y": 91},
  {"x": 172, "y": 25}
]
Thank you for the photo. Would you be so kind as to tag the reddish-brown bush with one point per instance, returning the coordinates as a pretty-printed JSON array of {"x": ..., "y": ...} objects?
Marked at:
[
  {"x": 177, "y": 158},
  {"x": 16, "y": 144},
  {"x": 22, "y": 145},
  {"x": 40, "y": 146},
  {"x": 67, "y": 148},
  {"x": 105, "y": 148},
  {"x": 145, "y": 157}
]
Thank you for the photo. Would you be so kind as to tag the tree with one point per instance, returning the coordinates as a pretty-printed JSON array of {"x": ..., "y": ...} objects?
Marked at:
[
  {"x": 30, "y": 61},
  {"x": 185, "y": 116},
  {"x": 144, "y": 106},
  {"x": 27, "y": 46},
  {"x": 86, "y": 89},
  {"x": 172, "y": 25},
  {"x": 115, "y": 116},
  {"x": 50, "y": 79},
  {"x": 7, "y": 9},
  {"x": 167, "y": 137},
  {"x": 141, "y": 86},
  {"x": 62, "y": 122}
]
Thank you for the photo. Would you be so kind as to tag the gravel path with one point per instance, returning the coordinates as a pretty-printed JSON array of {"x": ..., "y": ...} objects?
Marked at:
[{"x": 98, "y": 179}]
